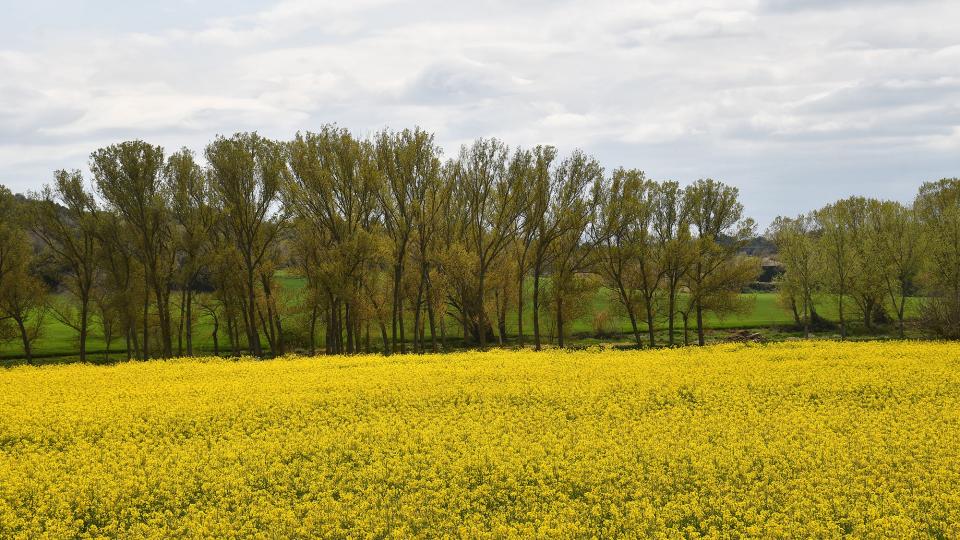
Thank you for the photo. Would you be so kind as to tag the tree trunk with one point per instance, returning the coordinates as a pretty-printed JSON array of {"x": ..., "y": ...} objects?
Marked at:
[
  {"x": 386, "y": 339},
  {"x": 216, "y": 341},
  {"x": 536, "y": 307},
  {"x": 183, "y": 307},
  {"x": 671, "y": 308},
  {"x": 348, "y": 316},
  {"x": 417, "y": 345},
  {"x": 84, "y": 312},
  {"x": 843, "y": 322},
  {"x": 520, "y": 310},
  {"x": 313, "y": 331},
  {"x": 700, "y": 340},
  {"x": 482, "y": 320},
  {"x": 431, "y": 316},
  {"x": 395, "y": 310},
  {"x": 253, "y": 335},
  {"x": 189, "y": 322},
  {"x": 560, "y": 321},
  {"x": 146, "y": 325},
  {"x": 25, "y": 337},
  {"x": 650, "y": 325}
]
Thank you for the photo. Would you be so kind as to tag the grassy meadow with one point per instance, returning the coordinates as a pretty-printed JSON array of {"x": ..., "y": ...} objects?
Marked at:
[
  {"x": 786, "y": 440},
  {"x": 761, "y": 311}
]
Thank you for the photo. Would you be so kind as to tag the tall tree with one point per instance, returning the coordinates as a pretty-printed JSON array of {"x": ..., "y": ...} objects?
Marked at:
[
  {"x": 901, "y": 245},
  {"x": 938, "y": 208},
  {"x": 64, "y": 217},
  {"x": 491, "y": 208},
  {"x": 717, "y": 218},
  {"x": 624, "y": 237},
  {"x": 675, "y": 246},
  {"x": 577, "y": 175},
  {"x": 194, "y": 218},
  {"x": 797, "y": 250},
  {"x": 22, "y": 295},
  {"x": 333, "y": 192},
  {"x": 836, "y": 252},
  {"x": 129, "y": 178},
  {"x": 408, "y": 162},
  {"x": 531, "y": 172},
  {"x": 246, "y": 173}
]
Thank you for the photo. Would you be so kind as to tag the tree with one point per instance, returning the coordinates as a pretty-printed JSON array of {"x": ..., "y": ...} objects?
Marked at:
[
  {"x": 408, "y": 162},
  {"x": 900, "y": 245},
  {"x": 22, "y": 296},
  {"x": 129, "y": 178},
  {"x": 246, "y": 175},
  {"x": 797, "y": 251},
  {"x": 333, "y": 193},
  {"x": 717, "y": 218},
  {"x": 64, "y": 218},
  {"x": 193, "y": 215},
  {"x": 938, "y": 209},
  {"x": 675, "y": 246},
  {"x": 574, "y": 248},
  {"x": 836, "y": 252},
  {"x": 867, "y": 285},
  {"x": 624, "y": 237},
  {"x": 491, "y": 208},
  {"x": 530, "y": 172}
]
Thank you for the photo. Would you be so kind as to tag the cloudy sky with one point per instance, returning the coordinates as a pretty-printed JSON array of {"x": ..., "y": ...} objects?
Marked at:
[{"x": 796, "y": 102}]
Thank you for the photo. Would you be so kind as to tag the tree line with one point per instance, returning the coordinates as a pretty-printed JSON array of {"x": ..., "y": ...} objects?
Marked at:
[
  {"x": 868, "y": 256},
  {"x": 395, "y": 244}
]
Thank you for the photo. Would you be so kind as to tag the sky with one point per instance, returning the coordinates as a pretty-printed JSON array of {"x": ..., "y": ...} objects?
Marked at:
[{"x": 795, "y": 102}]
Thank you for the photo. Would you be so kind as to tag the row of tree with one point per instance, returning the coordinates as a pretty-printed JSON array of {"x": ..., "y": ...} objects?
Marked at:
[
  {"x": 870, "y": 256},
  {"x": 382, "y": 229}
]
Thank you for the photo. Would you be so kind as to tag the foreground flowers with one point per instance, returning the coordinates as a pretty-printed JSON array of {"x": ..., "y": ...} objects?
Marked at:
[{"x": 785, "y": 440}]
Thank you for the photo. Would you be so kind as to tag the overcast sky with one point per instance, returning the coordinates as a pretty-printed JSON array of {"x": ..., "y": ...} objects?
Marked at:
[{"x": 796, "y": 102}]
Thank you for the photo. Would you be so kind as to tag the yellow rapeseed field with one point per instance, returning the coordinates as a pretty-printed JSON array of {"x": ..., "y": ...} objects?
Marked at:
[{"x": 790, "y": 440}]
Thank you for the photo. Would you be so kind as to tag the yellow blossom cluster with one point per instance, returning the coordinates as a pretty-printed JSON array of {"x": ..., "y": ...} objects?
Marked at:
[{"x": 799, "y": 439}]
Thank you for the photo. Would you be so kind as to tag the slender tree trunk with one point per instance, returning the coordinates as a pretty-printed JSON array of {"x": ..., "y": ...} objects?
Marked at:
[
  {"x": 348, "y": 315},
  {"x": 386, "y": 339},
  {"x": 216, "y": 341},
  {"x": 403, "y": 334},
  {"x": 313, "y": 331},
  {"x": 443, "y": 331},
  {"x": 253, "y": 335},
  {"x": 671, "y": 308},
  {"x": 650, "y": 323},
  {"x": 536, "y": 307},
  {"x": 189, "y": 322},
  {"x": 183, "y": 307},
  {"x": 84, "y": 315},
  {"x": 560, "y": 320},
  {"x": 900, "y": 312},
  {"x": 520, "y": 309},
  {"x": 431, "y": 316},
  {"x": 686, "y": 331},
  {"x": 843, "y": 322},
  {"x": 396, "y": 309},
  {"x": 417, "y": 345},
  {"x": 25, "y": 337},
  {"x": 482, "y": 320},
  {"x": 146, "y": 324},
  {"x": 700, "y": 339}
]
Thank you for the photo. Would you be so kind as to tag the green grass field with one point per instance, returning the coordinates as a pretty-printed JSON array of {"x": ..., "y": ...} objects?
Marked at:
[{"x": 762, "y": 311}]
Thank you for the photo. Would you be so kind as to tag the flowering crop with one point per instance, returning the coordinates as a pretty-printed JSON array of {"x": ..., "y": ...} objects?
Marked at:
[{"x": 795, "y": 439}]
